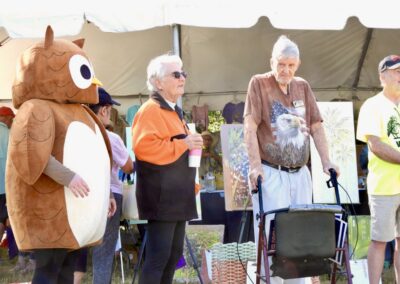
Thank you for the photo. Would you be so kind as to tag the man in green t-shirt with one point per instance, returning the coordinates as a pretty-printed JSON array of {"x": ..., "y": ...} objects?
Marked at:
[{"x": 379, "y": 127}]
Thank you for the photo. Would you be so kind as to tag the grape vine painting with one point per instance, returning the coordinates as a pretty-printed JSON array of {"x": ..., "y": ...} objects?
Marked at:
[{"x": 236, "y": 168}]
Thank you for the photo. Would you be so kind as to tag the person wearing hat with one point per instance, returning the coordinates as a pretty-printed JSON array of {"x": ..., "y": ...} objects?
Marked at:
[
  {"x": 210, "y": 160},
  {"x": 379, "y": 127},
  {"x": 6, "y": 119},
  {"x": 103, "y": 254}
]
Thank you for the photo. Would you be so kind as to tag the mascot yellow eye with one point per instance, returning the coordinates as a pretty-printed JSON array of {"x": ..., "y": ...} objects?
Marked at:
[{"x": 81, "y": 71}]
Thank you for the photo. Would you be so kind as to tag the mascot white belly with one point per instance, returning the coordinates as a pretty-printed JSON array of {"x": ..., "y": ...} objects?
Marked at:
[{"x": 86, "y": 154}]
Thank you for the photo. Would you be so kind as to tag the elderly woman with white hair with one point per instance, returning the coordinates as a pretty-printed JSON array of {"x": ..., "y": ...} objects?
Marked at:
[{"x": 165, "y": 183}]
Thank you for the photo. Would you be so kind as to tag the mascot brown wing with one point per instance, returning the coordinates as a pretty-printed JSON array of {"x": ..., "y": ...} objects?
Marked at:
[{"x": 31, "y": 140}]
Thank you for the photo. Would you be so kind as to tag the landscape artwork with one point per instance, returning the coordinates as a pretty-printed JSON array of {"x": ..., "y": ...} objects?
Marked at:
[{"x": 338, "y": 122}]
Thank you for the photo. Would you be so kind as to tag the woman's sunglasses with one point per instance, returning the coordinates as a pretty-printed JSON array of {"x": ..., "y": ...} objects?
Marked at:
[{"x": 177, "y": 74}]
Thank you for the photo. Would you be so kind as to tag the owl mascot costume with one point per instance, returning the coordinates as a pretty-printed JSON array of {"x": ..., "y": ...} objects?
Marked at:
[{"x": 54, "y": 78}]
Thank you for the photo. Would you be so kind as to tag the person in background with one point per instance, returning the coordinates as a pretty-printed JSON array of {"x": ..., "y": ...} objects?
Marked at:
[
  {"x": 210, "y": 160},
  {"x": 23, "y": 265},
  {"x": 390, "y": 247},
  {"x": 6, "y": 120},
  {"x": 165, "y": 188},
  {"x": 363, "y": 159},
  {"x": 103, "y": 254},
  {"x": 280, "y": 115},
  {"x": 378, "y": 126}
]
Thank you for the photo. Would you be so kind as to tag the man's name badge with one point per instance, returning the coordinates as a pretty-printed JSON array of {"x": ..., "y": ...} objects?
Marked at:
[{"x": 298, "y": 103}]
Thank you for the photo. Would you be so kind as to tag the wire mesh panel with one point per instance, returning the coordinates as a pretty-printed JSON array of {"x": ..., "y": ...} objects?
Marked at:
[{"x": 229, "y": 262}]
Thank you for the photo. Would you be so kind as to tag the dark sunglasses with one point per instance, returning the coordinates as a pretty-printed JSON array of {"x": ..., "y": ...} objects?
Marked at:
[{"x": 177, "y": 74}]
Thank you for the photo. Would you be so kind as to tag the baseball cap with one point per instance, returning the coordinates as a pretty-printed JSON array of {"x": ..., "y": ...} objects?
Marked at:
[
  {"x": 105, "y": 98},
  {"x": 389, "y": 62},
  {"x": 6, "y": 111}
]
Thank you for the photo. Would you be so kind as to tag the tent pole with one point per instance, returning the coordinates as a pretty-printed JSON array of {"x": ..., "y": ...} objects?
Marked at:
[
  {"x": 364, "y": 51},
  {"x": 176, "y": 38}
]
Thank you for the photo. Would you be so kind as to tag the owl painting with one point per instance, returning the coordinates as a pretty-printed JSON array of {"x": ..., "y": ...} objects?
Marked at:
[{"x": 54, "y": 79}]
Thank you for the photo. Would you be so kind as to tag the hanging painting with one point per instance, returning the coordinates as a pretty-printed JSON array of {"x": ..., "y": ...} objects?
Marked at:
[
  {"x": 338, "y": 123},
  {"x": 236, "y": 168}
]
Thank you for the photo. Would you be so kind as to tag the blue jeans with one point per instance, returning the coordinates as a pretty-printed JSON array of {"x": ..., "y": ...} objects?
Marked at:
[{"x": 103, "y": 254}]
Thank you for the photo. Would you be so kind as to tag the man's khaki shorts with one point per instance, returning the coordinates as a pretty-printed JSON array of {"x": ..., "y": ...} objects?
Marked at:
[{"x": 385, "y": 217}]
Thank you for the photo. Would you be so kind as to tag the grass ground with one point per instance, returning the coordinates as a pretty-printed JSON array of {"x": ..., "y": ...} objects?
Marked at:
[
  {"x": 181, "y": 276},
  {"x": 200, "y": 237}
]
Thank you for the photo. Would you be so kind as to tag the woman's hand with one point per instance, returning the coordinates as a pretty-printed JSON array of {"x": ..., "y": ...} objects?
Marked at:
[
  {"x": 112, "y": 207},
  {"x": 194, "y": 141}
]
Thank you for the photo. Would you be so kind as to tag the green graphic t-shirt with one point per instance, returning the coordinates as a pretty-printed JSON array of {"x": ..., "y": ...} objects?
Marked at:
[{"x": 381, "y": 117}]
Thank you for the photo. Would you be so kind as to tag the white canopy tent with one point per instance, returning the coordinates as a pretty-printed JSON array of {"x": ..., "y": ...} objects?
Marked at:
[{"x": 222, "y": 43}]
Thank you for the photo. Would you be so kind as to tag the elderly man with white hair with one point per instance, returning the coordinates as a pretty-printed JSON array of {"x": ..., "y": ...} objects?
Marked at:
[
  {"x": 280, "y": 114},
  {"x": 165, "y": 183}
]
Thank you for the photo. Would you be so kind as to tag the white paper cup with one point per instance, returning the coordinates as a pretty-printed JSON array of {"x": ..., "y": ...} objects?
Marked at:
[{"x": 194, "y": 158}]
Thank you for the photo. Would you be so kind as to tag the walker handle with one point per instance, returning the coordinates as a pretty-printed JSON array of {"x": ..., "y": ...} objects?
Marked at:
[
  {"x": 333, "y": 177},
  {"x": 334, "y": 183},
  {"x": 255, "y": 190}
]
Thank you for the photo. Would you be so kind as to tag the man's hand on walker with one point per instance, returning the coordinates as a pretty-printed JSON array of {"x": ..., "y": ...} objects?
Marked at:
[
  {"x": 254, "y": 174},
  {"x": 330, "y": 165}
]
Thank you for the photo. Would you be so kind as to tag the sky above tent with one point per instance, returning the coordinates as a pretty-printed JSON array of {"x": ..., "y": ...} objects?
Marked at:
[{"x": 27, "y": 19}]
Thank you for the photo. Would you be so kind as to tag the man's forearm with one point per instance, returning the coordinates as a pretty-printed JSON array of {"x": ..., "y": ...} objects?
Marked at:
[
  {"x": 318, "y": 134},
  {"x": 250, "y": 138},
  {"x": 383, "y": 150}
]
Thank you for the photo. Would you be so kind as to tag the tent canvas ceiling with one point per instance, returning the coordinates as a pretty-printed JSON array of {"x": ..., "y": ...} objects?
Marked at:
[
  {"x": 219, "y": 53},
  {"x": 119, "y": 60}
]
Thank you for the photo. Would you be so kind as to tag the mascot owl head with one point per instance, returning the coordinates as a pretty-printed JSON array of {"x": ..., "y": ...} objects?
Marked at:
[{"x": 56, "y": 70}]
